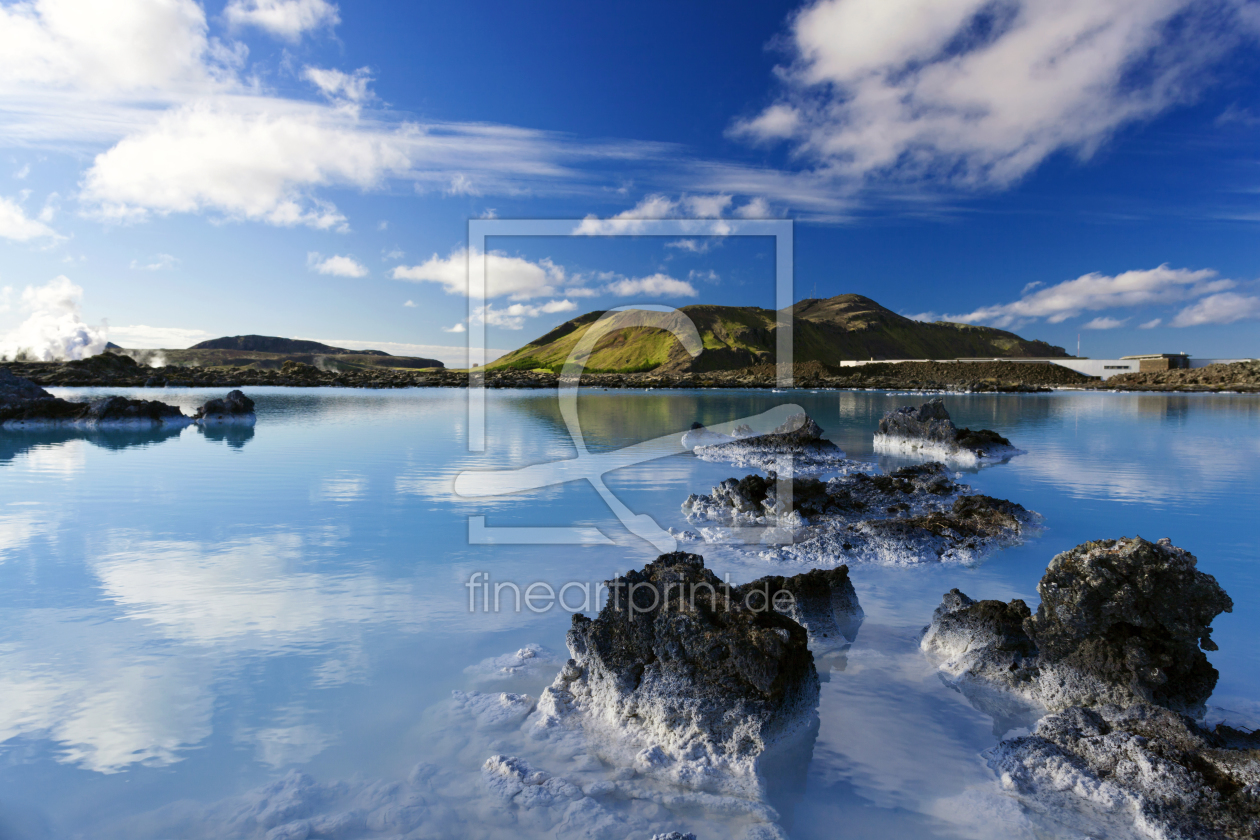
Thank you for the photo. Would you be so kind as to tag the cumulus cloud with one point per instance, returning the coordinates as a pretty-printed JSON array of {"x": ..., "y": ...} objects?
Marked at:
[
  {"x": 410, "y": 304},
  {"x": 157, "y": 262},
  {"x": 145, "y": 337},
  {"x": 458, "y": 328},
  {"x": 977, "y": 93},
  {"x": 248, "y": 159},
  {"x": 513, "y": 317},
  {"x": 338, "y": 85},
  {"x": 336, "y": 265},
  {"x": 288, "y": 19},
  {"x": 656, "y": 285},
  {"x": 1095, "y": 291},
  {"x": 1151, "y": 324},
  {"x": 506, "y": 276},
  {"x": 1105, "y": 323},
  {"x": 1225, "y": 308},
  {"x": 16, "y": 225},
  {"x": 54, "y": 327}
]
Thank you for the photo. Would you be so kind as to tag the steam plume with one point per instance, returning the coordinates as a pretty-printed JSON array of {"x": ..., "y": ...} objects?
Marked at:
[{"x": 54, "y": 328}]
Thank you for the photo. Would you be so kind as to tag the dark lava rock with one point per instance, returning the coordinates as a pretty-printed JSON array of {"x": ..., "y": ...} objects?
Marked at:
[
  {"x": 822, "y": 601},
  {"x": 1115, "y": 651},
  {"x": 930, "y": 424},
  {"x": 1120, "y": 621},
  {"x": 694, "y": 676},
  {"x": 914, "y": 514},
  {"x": 235, "y": 406},
  {"x": 25, "y": 404},
  {"x": 799, "y": 437},
  {"x": 1169, "y": 777}
]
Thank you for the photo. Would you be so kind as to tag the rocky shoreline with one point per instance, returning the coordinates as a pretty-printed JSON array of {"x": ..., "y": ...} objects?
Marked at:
[{"x": 111, "y": 370}]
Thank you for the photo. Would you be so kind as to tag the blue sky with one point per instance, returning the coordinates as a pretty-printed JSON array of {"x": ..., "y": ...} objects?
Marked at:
[{"x": 172, "y": 171}]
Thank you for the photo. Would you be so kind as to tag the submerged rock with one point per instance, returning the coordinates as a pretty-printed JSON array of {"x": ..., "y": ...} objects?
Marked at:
[
  {"x": 1120, "y": 621},
  {"x": 928, "y": 431},
  {"x": 686, "y": 676},
  {"x": 914, "y": 514},
  {"x": 235, "y": 409},
  {"x": 795, "y": 448},
  {"x": 25, "y": 405},
  {"x": 1143, "y": 765}
]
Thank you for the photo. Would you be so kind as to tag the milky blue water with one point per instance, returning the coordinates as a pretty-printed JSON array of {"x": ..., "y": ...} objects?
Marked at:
[{"x": 186, "y": 618}]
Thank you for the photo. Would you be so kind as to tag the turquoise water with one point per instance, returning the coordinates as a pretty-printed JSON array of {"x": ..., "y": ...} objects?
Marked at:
[{"x": 185, "y": 619}]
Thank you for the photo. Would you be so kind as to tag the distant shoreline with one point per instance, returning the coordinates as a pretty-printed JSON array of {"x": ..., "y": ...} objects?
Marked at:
[{"x": 993, "y": 377}]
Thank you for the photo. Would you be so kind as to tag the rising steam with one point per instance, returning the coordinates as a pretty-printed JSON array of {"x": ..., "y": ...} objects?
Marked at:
[{"x": 54, "y": 329}]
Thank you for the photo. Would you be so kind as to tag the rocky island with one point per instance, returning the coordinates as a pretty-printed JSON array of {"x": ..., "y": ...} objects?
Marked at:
[
  {"x": 1115, "y": 652},
  {"x": 689, "y": 678},
  {"x": 234, "y": 409},
  {"x": 912, "y": 515},
  {"x": 25, "y": 405},
  {"x": 796, "y": 447},
  {"x": 928, "y": 431}
]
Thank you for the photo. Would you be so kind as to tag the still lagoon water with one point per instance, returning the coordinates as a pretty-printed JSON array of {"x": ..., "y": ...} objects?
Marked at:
[{"x": 258, "y": 633}]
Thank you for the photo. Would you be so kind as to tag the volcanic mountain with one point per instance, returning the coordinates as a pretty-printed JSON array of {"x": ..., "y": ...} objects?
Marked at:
[{"x": 845, "y": 327}]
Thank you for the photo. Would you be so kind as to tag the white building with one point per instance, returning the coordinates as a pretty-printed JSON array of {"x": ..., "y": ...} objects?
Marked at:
[{"x": 1102, "y": 368}]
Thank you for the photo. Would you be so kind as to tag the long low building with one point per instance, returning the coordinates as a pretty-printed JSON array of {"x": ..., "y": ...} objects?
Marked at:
[{"x": 1102, "y": 368}]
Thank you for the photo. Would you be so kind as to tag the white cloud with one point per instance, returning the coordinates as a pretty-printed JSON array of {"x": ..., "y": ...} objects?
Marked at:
[
  {"x": 458, "y": 328},
  {"x": 1151, "y": 324},
  {"x": 338, "y": 85},
  {"x": 54, "y": 327},
  {"x": 158, "y": 262},
  {"x": 461, "y": 185},
  {"x": 706, "y": 276},
  {"x": 16, "y": 225},
  {"x": 144, "y": 337},
  {"x": 247, "y": 158},
  {"x": 656, "y": 285},
  {"x": 756, "y": 208},
  {"x": 514, "y": 277},
  {"x": 1223, "y": 308},
  {"x": 695, "y": 246},
  {"x": 288, "y": 19},
  {"x": 411, "y": 304},
  {"x": 336, "y": 265},
  {"x": 124, "y": 46},
  {"x": 978, "y": 93},
  {"x": 713, "y": 206},
  {"x": 23, "y": 172},
  {"x": 1094, "y": 291},
  {"x": 1105, "y": 323},
  {"x": 513, "y": 317}
]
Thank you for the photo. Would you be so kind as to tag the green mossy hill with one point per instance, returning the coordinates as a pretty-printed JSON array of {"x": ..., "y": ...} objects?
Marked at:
[{"x": 829, "y": 331}]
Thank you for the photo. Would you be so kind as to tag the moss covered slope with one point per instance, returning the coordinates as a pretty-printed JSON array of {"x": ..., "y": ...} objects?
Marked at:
[{"x": 841, "y": 328}]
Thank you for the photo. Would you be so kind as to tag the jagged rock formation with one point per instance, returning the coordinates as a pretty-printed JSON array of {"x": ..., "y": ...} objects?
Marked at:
[
  {"x": 701, "y": 435},
  {"x": 1120, "y": 621},
  {"x": 795, "y": 448},
  {"x": 1115, "y": 650},
  {"x": 235, "y": 408},
  {"x": 692, "y": 677},
  {"x": 1142, "y": 766},
  {"x": 25, "y": 405},
  {"x": 912, "y": 515},
  {"x": 928, "y": 431},
  {"x": 822, "y": 601}
]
